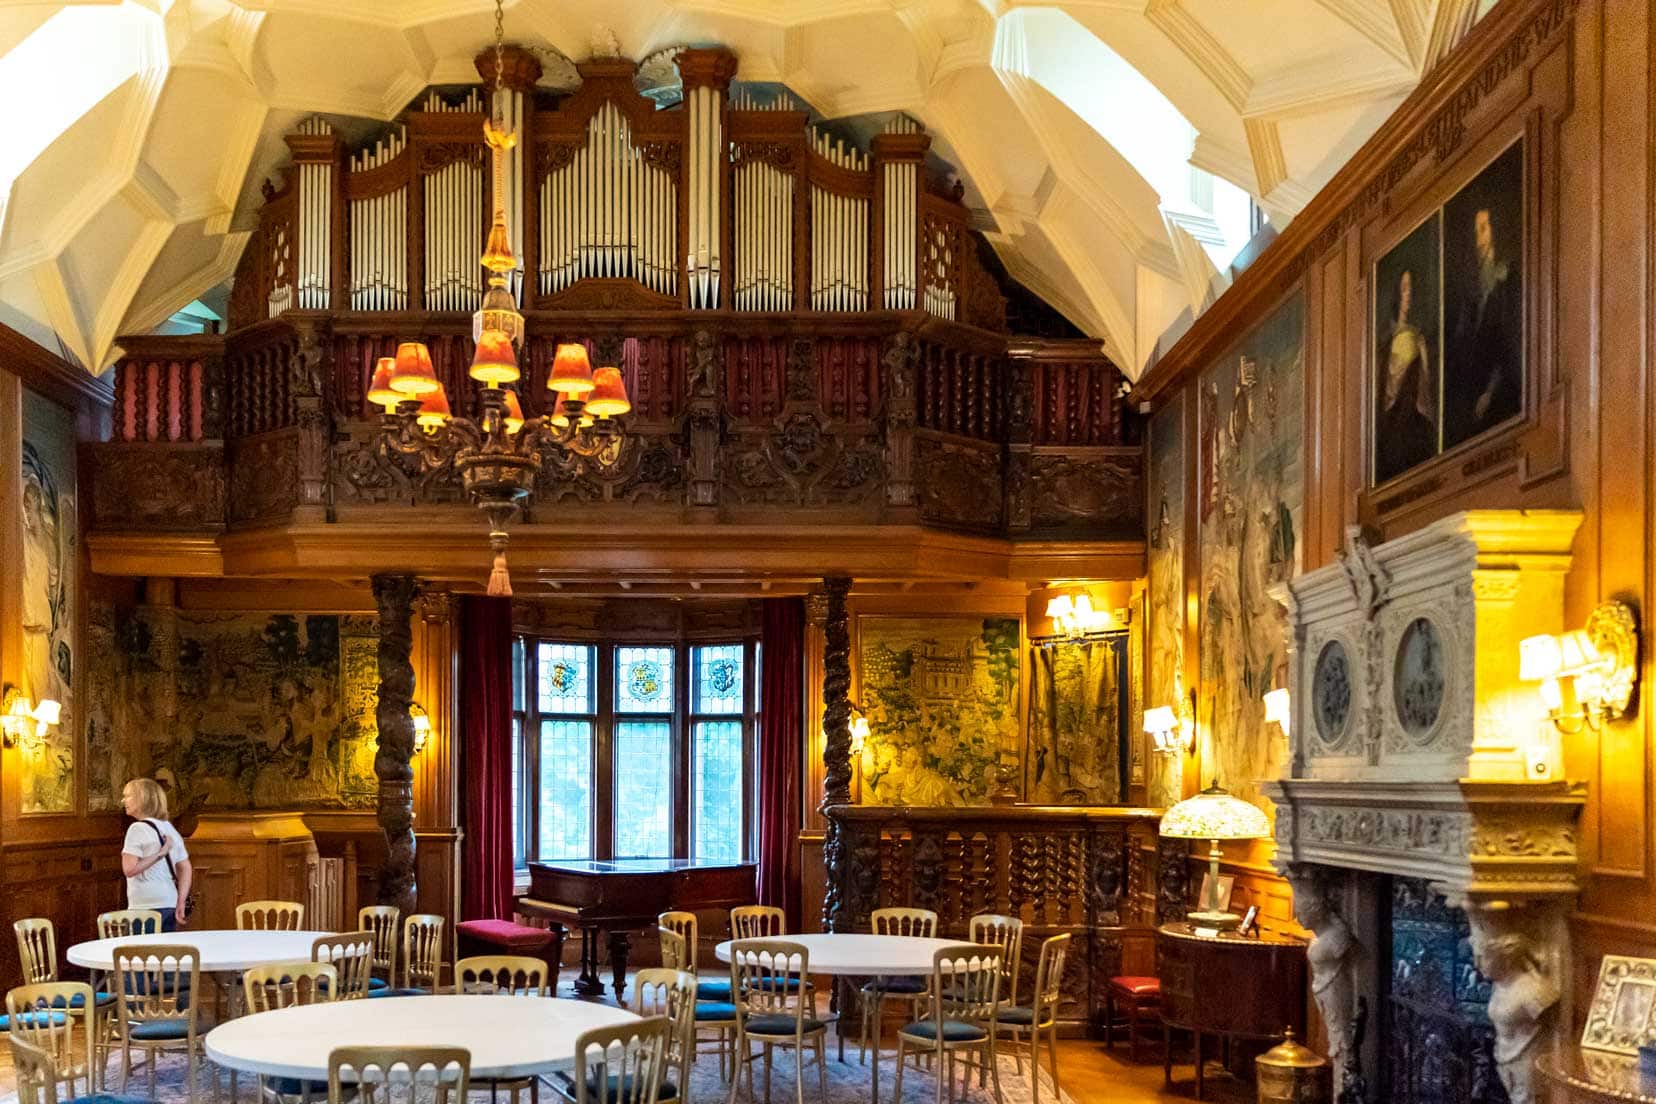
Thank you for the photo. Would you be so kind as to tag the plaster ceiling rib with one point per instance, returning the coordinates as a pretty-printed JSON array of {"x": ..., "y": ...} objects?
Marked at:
[
  {"x": 1378, "y": 24},
  {"x": 146, "y": 315}
]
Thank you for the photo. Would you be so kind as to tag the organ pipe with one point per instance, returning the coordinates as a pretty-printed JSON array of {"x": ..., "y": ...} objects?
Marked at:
[
  {"x": 315, "y": 226},
  {"x": 378, "y": 233}
]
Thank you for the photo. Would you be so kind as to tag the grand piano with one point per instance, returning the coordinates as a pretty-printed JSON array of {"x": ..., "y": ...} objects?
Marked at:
[{"x": 619, "y": 896}]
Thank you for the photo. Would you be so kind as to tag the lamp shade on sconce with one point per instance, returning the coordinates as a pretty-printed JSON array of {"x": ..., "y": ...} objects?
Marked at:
[
  {"x": 434, "y": 410},
  {"x": 1539, "y": 657},
  {"x": 571, "y": 371},
  {"x": 1160, "y": 719},
  {"x": 1214, "y": 814},
  {"x": 1061, "y": 607},
  {"x": 48, "y": 712},
  {"x": 560, "y": 414},
  {"x": 608, "y": 398},
  {"x": 413, "y": 375},
  {"x": 1577, "y": 653},
  {"x": 495, "y": 361},
  {"x": 514, "y": 412},
  {"x": 380, "y": 391},
  {"x": 1276, "y": 706}
]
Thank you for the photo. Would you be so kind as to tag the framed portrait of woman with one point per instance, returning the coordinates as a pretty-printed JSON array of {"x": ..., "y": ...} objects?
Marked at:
[{"x": 1408, "y": 351}]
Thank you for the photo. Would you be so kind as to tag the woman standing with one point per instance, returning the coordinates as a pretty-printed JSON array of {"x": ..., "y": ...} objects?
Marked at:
[{"x": 153, "y": 858}]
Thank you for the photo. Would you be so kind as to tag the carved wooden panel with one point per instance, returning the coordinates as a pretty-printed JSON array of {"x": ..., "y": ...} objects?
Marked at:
[
  {"x": 158, "y": 487},
  {"x": 1086, "y": 490},
  {"x": 959, "y": 482},
  {"x": 264, "y": 476}
]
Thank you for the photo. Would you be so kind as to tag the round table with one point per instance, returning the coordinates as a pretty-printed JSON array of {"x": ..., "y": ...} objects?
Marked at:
[
  {"x": 221, "y": 951},
  {"x": 855, "y": 954},
  {"x": 509, "y": 1037}
]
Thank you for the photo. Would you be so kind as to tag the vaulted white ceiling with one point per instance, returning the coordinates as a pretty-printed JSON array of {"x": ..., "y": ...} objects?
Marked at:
[{"x": 1107, "y": 145}]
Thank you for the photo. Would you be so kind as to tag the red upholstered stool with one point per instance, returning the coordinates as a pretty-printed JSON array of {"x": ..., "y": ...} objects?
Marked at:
[
  {"x": 480, "y": 937},
  {"x": 1136, "y": 996}
]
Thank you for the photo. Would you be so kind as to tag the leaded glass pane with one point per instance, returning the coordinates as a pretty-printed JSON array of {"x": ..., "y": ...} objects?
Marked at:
[
  {"x": 517, "y": 791},
  {"x": 643, "y": 680},
  {"x": 716, "y": 685},
  {"x": 718, "y": 767},
  {"x": 643, "y": 789},
  {"x": 565, "y": 678},
  {"x": 517, "y": 674},
  {"x": 566, "y": 789}
]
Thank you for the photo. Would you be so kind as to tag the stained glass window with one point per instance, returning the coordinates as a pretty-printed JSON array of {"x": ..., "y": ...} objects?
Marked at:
[
  {"x": 566, "y": 789},
  {"x": 717, "y": 681},
  {"x": 718, "y": 789},
  {"x": 644, "y": 680},
  {"x": 643, "y": 789},
  {"x": 565, "y": 678}
]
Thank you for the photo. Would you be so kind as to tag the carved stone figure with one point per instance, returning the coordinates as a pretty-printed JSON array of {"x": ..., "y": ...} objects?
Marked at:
[
  {"x": 1522, "y": 997},
  {"x": 1331, "y": 957}
]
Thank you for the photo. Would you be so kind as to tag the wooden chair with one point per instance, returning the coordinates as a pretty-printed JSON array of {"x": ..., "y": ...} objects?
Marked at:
[
  {"x": 379, "y": 1075},
  {"x": 684, "y": 924},
  {"x": 659, "y": 991},
  {"x": 966, "y": 982},
  {"x": 285, "y": 985},
  {"x": 154, "y": 1011},
  {"x": 1041, "y": 1014},
  {"x": 766, "y": 922},
  {"x": 36, "y": 949},
  {"x": 625, "y": 1064},
  {"x": 422, "y": 954},
  {"x": 772, "y": 1012},
  {"x": 124, "y": 922},
  {"x": 35, "y": 1016},
  {"x": 988, "y": 929},
  {"x": 383, "y": 921},
  {"x": 351, "y": 954},
  {"x": 270, "y": 916},
  {"x": 505, "y": 975},
  {"x": 709, "y": 1018},
  {"x": 1134, "y": 995},
  {"x": 876, "y": 991},
  {"x": 37, "y": 1077}
]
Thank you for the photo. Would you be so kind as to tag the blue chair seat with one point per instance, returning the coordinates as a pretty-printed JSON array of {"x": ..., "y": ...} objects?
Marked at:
[
  {"x": 412, "y": 991},
  {"x": 715, "y": 1011},
  {"x": 791, "y": 985},
  {"x": 77, "y": 1002},
  {"x": 1015, "y": 1014},
  {"x": 31, "y": 1019},
  {"x": 140, "y": 984},
  {"x": 897, "y": 986},
  {"x": 715, "y": 989},
  {"x": 292, "y": 1086},
  {"x": 780, "y": 1025},
  {"x": 160, "y": 1030},
  {"x": 375, "y": 984},
  {"x": 609, "y": 1090},
  {"x": 112, "y": 1098},
  {"x": 954, "y": 1031}
]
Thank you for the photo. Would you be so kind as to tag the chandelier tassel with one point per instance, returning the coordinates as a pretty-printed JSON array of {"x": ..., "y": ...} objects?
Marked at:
[{"x": 500, "y": 578}]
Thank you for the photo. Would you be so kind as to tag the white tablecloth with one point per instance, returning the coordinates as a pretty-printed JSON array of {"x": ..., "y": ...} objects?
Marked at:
[{"x": 220, "y": 950}]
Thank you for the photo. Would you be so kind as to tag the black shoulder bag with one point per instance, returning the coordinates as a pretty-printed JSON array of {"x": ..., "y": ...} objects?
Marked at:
[{"x": 172, "y": 872}]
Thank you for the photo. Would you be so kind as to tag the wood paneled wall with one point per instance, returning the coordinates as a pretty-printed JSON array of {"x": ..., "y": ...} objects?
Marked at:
[{"x": 1574, "y": 80}]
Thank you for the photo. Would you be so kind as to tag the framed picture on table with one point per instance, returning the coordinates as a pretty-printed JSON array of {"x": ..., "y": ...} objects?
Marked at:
[{"x": 1227, "y": 882}]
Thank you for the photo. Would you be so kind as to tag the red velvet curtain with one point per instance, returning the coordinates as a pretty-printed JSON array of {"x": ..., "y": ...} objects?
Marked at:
[
  {"x": 486, "y": 757},
  {"x": 781, "y": 749}
]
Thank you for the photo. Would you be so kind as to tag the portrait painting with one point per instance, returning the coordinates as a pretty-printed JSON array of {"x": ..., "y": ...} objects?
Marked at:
[
  {"x": 942, "y": 698},
  {"x": 49, "y": 579},
  {"x": 1250, "y": 488},
  {"x": 1078, "y": 696},
  {"x": 1165, "y": 626},
  {"x": 1408, "y": 352},
  {"x": 1483, "y": 299}
]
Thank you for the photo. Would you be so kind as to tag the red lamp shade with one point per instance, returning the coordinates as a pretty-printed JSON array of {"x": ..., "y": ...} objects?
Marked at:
[
  {"x": 514, "y": 412},
  {"x": 609, "y": 394},
  {"x": 560, "y": 416},
  {"x": 434, "y": 410},
  {"x": 379, "y": 391},
  {"x": 413, "y": 376},
  {"x": 495, "y": 362},
  {"x": 571, "y": 371}
]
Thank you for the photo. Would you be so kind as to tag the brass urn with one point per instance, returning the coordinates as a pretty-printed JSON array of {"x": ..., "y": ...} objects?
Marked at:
[{"x": 1289, "y": 1073}]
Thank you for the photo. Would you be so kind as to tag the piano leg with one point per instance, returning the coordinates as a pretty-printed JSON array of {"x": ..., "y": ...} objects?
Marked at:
[
  {"x": 620, "y": 947},
  {"x": 588, "y": 983}
]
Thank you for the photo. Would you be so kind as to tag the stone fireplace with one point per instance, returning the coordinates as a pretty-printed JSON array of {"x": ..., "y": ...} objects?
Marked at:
[{"x": 1423, "y": 800}]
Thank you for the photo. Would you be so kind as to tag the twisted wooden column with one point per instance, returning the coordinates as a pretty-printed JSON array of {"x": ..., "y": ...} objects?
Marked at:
[
  {"x": 393, "y": 764},
  {"x": 837, "y": 908}
]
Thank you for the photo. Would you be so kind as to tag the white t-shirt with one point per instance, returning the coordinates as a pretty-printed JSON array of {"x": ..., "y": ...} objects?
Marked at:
[{"x": 153, "y": 888}]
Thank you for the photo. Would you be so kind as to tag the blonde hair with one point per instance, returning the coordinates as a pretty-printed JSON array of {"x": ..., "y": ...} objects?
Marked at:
[{"x": 150, "y": 798}]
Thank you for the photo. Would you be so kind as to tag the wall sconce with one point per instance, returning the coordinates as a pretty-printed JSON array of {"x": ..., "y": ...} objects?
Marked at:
[
  {"x": 422, "y": 726},
  {"x": 1074, "y": 617},
  {"x": 859, "y": 731},
  {"x": 19, "y": 719},
  {"x": 1276, "y": 708},
  {"x": 1169, "y": 734},
  {"x": 1587, "y": 675}
]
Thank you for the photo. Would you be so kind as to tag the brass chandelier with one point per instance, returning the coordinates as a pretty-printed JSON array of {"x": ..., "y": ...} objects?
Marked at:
[{"x": 498, "y": 453}]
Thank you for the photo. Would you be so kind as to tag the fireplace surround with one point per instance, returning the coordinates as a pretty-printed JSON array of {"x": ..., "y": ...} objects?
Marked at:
[{"x": 1418, "y": 754}]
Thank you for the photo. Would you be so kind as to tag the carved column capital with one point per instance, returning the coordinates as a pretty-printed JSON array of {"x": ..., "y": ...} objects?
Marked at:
[{"x": 437, "y": 607}]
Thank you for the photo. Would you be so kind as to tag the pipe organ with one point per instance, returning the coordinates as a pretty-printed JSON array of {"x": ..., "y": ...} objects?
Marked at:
[{"x": 722, "y": 202}]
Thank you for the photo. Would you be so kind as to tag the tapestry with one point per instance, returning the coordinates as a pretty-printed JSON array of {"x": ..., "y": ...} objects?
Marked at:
[
  {"x": 941, "y": 695},
  {"x": 234, "y": 710},
  {"x": 1077, "y": 704},
  {"x": 1250, "y": 485},
  {"x": 49, "y": 579},
  {"x": 1165, "y": 597}
]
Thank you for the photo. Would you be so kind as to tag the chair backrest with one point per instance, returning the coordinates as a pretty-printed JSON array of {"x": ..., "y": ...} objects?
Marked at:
[
  {"x": 622, "y": 1064},
  {"x": 39, "y": 1016},
  {"x": 36, "y": 1073},
  {"x": 966, "y": 980},
  {"x": 383, "y": 1075},
  {"x": 422, "y": 950},
  {"x": 765, "y": 978},
  {"x": 351, "y": 954},
  {"x": 659, "y": 991},
  {"x": 674, "y": 953},
  {"x": 1049, "y": 976},
  {"x": 285, "y": 984},
  {"x": 37, "y": 948},
  {"x": 684, "y": 923},
  {"x": 506, "y": 975},
  {"x": 383, "y": 921},
  {"x": 1005, "y": 932},
  {"x": 270, "y": 916},
  {"x": 757, "y": 922},
  {"x": 153, "y": 981},
  {"x": 124, "y": 922},
  {"x": 904, "y": 921}
]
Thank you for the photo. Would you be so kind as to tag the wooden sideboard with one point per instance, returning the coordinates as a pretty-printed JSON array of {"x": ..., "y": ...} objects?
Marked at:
[{"x": 254, "y": 856}]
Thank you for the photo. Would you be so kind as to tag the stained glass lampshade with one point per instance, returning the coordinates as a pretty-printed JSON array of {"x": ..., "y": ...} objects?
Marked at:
[{"x": 1214, "y": 815}]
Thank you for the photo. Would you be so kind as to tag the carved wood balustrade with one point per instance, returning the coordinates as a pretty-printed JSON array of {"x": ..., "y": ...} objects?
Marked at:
[{"x": 1059, "y": 869}]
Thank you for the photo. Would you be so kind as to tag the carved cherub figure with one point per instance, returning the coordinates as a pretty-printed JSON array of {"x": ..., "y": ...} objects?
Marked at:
[{"x": 1522, "y": 996}]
